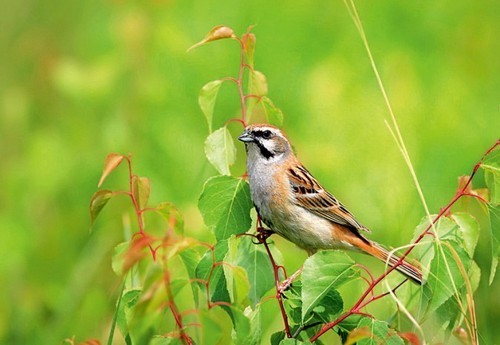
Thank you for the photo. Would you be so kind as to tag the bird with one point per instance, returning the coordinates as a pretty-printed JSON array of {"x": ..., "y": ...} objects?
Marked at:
[{"x": 294, "y": 205}]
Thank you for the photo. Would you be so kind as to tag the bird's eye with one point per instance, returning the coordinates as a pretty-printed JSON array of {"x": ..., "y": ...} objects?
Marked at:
[{"x": 267, "y": 134}]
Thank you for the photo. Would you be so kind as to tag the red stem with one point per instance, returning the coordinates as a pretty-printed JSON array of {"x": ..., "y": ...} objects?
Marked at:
[
  {"x": 359, "y": 304},
  {"x": 135, "y": 203},
  {"x": 276, "y": 269},
  {"x": 175, "y": 312}
]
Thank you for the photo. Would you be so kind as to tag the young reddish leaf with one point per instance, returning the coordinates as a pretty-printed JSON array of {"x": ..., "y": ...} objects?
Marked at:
[
  {"x": 220, "y": 150},
  {"x": 248, "y": 40},
  {"x": 411, "y": 338},
  {"x": 274, "y": 115},
  {"x": 257, "y": 83},
  {"x": 136, "y": 251},
  {"x": 217, "y": 33},
  {"x": 112, "y": 161},
  {"x": 357, "y": 335},
  {"x": 462, "y": 336},
  {"x": 140, "y": 189},
  {"x": 206, "y": 100},
  {"x": 97, "y": 202}
]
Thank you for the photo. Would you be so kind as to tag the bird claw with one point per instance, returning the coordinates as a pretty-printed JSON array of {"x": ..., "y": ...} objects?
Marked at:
[
  {"x": 263, "y": 234},
  {"x": 285, "y": 285}
]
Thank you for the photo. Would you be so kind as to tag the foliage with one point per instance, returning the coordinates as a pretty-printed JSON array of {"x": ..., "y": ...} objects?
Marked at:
[
  {"x": 231, "y": 279},
  {"x": 81, "y": 79}
]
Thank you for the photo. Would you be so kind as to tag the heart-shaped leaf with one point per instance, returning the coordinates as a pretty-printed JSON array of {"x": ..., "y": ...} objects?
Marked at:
[{"x": 220, "y": 150}]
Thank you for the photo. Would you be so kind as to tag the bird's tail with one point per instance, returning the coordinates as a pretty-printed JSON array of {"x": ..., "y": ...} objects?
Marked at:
[{"x": 409, "y": 270}]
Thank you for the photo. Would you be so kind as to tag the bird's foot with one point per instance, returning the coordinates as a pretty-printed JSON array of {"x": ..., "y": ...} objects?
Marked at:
[
  {"x": 263, "y": 234},
  {"x": 288, "y": 282}
]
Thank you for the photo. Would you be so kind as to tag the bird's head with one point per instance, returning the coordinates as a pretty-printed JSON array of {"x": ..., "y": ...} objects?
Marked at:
[{"x": 266, "y": 142}]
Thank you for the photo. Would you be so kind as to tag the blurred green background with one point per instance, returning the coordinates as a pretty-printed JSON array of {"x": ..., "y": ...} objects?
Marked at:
[{"x": 80, "y": 79}]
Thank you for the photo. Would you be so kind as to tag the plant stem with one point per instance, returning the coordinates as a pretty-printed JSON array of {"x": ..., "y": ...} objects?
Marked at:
[{"x": 361, "y": 301}]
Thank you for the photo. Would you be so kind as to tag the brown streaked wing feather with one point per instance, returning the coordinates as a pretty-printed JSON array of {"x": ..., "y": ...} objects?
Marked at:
[{"x": 310, "y": 195}]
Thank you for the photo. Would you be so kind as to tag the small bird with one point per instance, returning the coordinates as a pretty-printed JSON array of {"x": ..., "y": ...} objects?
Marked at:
[{"x": 292, "y": 203}]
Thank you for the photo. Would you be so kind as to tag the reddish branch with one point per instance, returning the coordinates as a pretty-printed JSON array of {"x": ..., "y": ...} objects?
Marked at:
[
  {"x": 145, "y": 237},
  {"x": 175, "y": 312},
  {"x": 262, "y": 235},
  {"x": 135, "y": 203},
  {"x": 361, "y": 303}
]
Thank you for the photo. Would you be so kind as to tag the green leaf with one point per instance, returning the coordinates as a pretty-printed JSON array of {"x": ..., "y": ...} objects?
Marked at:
[
  {"x": 141, "y": 188},
  {"x": 445, "y": 278},
  {"x": 448, "y": 314},
  {"x": 274, "y": 115},
  {"x": 225, "y": 205},
  {"x": 247, "y": 327},
  {"x": 255, "y": 336},
  {"x": 257, "y": 83},
  {"x": 191, "y": 258},
  {"x": 206, "y": 100},
  {"x": 379, "y": 333},
  {"x": 474, "y": 275},
  {"x": 217, "y": 327},
  {"x": 165, "y": 340},
  {"x": 236, "y": 277},
  {"x": 257, "y": 265},
  {"x": 322, "y": 272},
  {"x": 290, "y": 341},
  {"x": 237, "y": 284},
  {"x": 110, "y": 164},
  {"x": 491, "y": 166},
  {"x": 350, "y": 323},
  {"x": 208, "y": 269},
  {"x": 446, "y": 229},
  {"x": 171, "y": 214},
  {"x": 329, "y": 308},
  {"x": 494, "y": 212},
  {"x": 469, "y": 231},
  {"x": 119, "y": 258},
  {"x": 128, "y": 300},
  {"x": 277, "y": 337},
  {"x": 220, "y": 150},
  {"x": 97, "y": 203}
]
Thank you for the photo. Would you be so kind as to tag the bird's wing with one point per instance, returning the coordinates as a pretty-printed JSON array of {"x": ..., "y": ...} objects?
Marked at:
[{"x": 310, "y": 195}]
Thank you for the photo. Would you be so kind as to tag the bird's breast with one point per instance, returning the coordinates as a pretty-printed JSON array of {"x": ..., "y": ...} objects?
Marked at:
[{"x": 274, "y": 200}]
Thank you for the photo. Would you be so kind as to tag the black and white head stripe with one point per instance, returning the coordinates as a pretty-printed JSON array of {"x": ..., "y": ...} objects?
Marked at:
[
  {"x": 270, "y": 140},
  {"x": 263, "y": 133}
]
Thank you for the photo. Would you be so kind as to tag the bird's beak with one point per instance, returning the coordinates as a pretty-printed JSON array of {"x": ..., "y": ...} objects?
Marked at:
[{"x": 246, "y": 137}]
